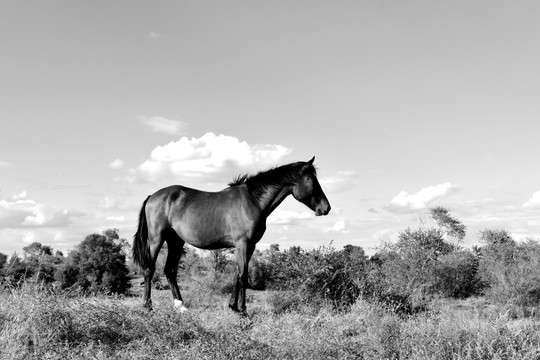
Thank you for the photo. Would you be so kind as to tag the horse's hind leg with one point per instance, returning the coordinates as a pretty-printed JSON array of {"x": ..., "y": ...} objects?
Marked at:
[
  {"x": 154, "y": 248},
  {"x": 175, "y": 248}
]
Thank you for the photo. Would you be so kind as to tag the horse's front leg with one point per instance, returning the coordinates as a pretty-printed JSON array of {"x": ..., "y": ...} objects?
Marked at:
[
  {"x": 243, "y": 254},
  {"x": 233, "y": 303}
]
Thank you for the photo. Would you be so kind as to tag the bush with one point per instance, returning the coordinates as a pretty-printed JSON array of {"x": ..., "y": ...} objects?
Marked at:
[
  {"x": 3, "y": 261},
  {"x": 98, "y": 264},
  {"x": 16, "y": 270},
  {"x": 38, "y": 263},
  {"x": 457, "y": 275},
  {"x": 258, "y": 272},
  {"x": 323, "y": 275},
  {"x": 510, "y": 270},
  {"x": 423, "y": 264},
  {"x": 410, "y": 266}
]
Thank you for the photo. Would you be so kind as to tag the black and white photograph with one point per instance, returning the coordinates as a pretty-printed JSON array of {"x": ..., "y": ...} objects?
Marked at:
[{"x": 249, "y": 179}]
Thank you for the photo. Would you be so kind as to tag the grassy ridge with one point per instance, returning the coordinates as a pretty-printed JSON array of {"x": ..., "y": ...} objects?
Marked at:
[{"x": 36, "y": 324}]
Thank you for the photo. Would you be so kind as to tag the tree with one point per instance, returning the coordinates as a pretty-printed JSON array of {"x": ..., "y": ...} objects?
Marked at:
[
  {"x": 447, "y": 224},
  {"x": 457, "y": 275},
  {"x": 16, "y": 270},
  {"x": 354, "y": 251},
  {"x": 274, "y": 248},
  {"x": 98, "y": 264},
  {"x": 423, "y": 263},
  {"x": 496, "y": 256},
  {"x": 510, "y": 271},
  {"x": 219, "y": 259},
  {"x": 41, "y": 262},
  {"x": 36, "y": 249},
  {"x": 3, "y": 260}
]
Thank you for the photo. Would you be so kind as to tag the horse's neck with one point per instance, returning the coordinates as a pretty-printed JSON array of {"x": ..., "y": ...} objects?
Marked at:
[{"x": 272, "y": 198}]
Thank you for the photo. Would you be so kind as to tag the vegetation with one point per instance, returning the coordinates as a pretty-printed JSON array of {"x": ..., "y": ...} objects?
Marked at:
[
  {"x": 96, "y": 265},
  {"x": 422, "y": 297}
]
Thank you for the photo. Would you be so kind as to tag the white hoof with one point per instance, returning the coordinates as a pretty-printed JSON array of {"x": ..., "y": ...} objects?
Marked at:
[{"x": 179, "y": 305}]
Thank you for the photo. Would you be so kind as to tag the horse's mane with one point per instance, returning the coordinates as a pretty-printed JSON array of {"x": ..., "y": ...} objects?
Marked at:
[{"x": 275, "y": 177}]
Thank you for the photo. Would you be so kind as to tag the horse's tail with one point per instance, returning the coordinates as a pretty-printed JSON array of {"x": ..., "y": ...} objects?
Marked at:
[{"x": 141, "y": 251}]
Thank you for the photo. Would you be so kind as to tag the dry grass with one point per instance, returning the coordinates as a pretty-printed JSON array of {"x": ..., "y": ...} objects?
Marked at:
[{"x": 37, "y": 325}]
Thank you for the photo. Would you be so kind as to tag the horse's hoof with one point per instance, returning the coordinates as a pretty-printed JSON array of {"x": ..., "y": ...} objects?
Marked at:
[
  {"x": 242, "y": 313},
  {"x": 147, "y": 305},
  {"x": 179, "y": 305}
]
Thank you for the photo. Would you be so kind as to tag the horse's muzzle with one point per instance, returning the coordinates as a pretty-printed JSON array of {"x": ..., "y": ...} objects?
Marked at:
[{"x": 322, "y": 210}]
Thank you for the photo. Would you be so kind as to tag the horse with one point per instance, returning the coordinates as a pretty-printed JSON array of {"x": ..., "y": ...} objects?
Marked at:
[{"x": 234, "y": 217}]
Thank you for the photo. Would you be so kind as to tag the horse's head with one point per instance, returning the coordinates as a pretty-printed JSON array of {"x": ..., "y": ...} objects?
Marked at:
[{"x": 308, "y": 190}]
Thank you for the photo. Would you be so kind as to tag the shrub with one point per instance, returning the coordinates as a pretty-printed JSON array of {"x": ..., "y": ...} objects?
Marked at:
[
  {"x": 98, "y": 264},
  {"x": 420, "y": 266},
  {"x": 457, "y": 275},
  {"x": 16, "y": 270},
  {"x": 3, "y": 260},
  {"x": 257, "y": 272},
  {"x": 318, "y": 276},
  {"x": 375, "y": 287},
  {"x": 510, "y": 270},
  {"x": 409, "y": 266}
]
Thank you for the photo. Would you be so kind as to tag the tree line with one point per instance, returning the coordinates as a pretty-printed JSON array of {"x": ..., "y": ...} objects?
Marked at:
[
  {"x": 96, "y": 265},
  {"x": 424, "y": 263}
]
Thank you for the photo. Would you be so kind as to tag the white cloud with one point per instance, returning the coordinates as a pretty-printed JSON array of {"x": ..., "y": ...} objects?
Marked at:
[
  {"x": 21, "y": 196},
  {"x": 116, "y": 164},
  {"x": 43, "y": 215},
  {"x": 20, "y": 212},
  {"x": 287, "y": 217},
  {"x": 340, "y": 226},
  {"x": 341, "y": 181},
  {"x": 210, "y": 155},
  {"x": 423, "y": 197},
  {"x": 534, "y": 200},
  {"x": 5, "y": 164},
  {"x": 116, "y": 218},
  {"x": 164, "y": 125}
]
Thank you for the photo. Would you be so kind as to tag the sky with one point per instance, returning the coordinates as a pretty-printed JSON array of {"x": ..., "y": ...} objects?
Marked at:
[{"x": 406, "y": 105}]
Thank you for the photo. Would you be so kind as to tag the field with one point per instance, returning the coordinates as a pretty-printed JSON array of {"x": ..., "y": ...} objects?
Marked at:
[{"x": 36, "y": 324}]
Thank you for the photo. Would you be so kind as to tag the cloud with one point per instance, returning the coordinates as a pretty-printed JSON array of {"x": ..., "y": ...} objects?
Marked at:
[
  {"x": 21, "y": 196},
  {"x": 20, "y": 212},
  {"x": 340, "y": 226},
  {"x": 288, "y": 217},
  {"x": 211, "y": 156},
  {"x": 534, "y": 200},
  {"x": 341, "y": 181},
  {"x": 423, "y": 197},
  {"x": 116, "y": 164},
  {"x": 164, "y": 125},
  {"x": 116, "y": 218},
  {"x": 5, "y": 164}
]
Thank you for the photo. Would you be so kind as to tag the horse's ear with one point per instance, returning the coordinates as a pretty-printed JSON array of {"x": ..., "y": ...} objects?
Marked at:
[{"x": 308, "y": 164}]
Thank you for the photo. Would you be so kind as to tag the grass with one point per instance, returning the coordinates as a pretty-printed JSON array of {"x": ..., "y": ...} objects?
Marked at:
[{"x": 38, "y": 325}]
